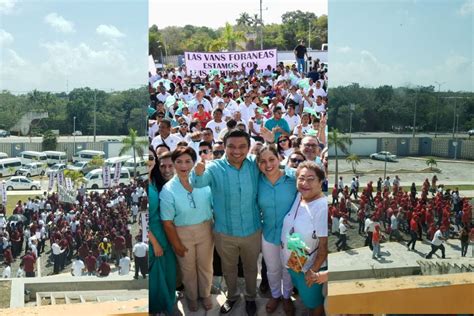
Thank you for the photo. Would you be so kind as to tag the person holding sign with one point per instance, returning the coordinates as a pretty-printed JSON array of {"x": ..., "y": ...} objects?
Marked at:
[
  {"x": 186, "y": 213},
  {"x": 304, "y": 236}
]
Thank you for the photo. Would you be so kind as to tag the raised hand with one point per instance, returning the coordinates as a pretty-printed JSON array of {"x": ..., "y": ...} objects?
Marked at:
[{"x": 200, "y": 167}]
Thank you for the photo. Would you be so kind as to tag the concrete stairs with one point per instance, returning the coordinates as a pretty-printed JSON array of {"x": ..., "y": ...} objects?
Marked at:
[{"x": 445, "y": 266}]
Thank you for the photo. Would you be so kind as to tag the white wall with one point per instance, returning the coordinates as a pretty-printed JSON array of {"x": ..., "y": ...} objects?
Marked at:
[{"x": 360, "y": 147}]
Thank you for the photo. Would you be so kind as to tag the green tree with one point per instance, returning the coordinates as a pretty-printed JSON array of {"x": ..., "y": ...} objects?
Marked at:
[
  {"x": 76, "y": 176},
  {"x": 354, "y": 160},
  {"x": 339, "y": 142},
  {"x": 431, "y": 162},
  {"x": 136, "y": 145},
  {"x": 50, "y": 141},
  {"x": 229, "y": 39},
  {"x": 96, "y": 162}
]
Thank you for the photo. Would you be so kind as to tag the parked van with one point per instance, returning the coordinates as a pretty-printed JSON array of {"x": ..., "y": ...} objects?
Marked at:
[
  {"x": 87, "y": 155},
  {"x": 32, "y": 156},
  {"x": 32, "y": 169},
  {"x": 3, "y": 155},
  {"x": 9, "y": 166},
  {"x": 54, "y": 157},
  {"x": 94, "y": 178},
  {"x": 141, "y": 164},
  {"x": 111, "y": 162}
]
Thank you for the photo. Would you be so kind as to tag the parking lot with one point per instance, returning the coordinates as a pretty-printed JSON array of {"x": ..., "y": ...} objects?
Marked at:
[{"x": 408, "y": 169}]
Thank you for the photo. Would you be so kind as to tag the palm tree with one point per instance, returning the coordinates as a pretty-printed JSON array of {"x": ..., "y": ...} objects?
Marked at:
[
  {"x": 244, "y": 19},
  {"x": 339, "y": 142},
  {"x": 354, "y": 160},
  {"x": 431, "y": 162},
  {"x": 229, "y": 39},
  {"x": 76, "y": 176},
  {"x": 136, "y": 145}
]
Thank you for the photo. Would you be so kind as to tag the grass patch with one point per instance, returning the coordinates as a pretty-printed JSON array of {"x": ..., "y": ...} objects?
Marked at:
[
  {"x": 13, "y": 199},
  {"x": 5, "y": 289}
]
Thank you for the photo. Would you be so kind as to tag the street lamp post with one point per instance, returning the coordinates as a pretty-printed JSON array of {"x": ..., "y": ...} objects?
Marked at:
[
  {"x": 437, "y": 107},
  {"x": 261, "y": 26},
  {"x": 74, "y": 134}
]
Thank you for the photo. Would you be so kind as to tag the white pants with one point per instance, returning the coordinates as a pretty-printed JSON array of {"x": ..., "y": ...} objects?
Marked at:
[{"x": 276, "y": 271}]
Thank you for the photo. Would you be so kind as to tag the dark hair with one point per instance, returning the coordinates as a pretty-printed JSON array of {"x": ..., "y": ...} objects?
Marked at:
[
  {"x": 231, "y": 124},
  {"x": 163, "y": 145},
  {"x": 280, "y": 149},
  {"x": 207, "y": 129},
  {"x": 277, "y": 108},
  {"x": 166, "y": 122},
  {"x": 270, "y": 148},
  {"x": 218, "y": 110},
  {"x": 183, "y": 151},
  {"x": 155, "y": 175},
  {"x": 182, "y": 143},
  {"x": 234, "y": 133},
  {"x": 206, "y": 144},
  {"x": 311, "y": 165}
]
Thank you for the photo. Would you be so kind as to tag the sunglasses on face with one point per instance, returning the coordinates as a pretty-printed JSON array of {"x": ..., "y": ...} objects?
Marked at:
[
  {"x": 151, "y": 158},
  {"x": 218, "y": 152},
  {"x": 205, "y": 152},
  {"x": 283, "y": 140},
  {"x": 296, "y": 160}
]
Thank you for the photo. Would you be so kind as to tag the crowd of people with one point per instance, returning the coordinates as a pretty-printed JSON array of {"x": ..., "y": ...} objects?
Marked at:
[
  {"x": 434, "y": 214},
  {"x": 90, "y": 234},
  {"x": 238, "y": 168}
]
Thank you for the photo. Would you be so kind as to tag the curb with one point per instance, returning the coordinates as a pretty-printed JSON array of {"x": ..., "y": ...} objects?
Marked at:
[{"x": 444, "y": 160}]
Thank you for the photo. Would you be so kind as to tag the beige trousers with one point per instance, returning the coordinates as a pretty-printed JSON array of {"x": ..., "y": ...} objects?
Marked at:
[
  {"x": 196, "y": 265},
  {"x": 248, "y": 248}
]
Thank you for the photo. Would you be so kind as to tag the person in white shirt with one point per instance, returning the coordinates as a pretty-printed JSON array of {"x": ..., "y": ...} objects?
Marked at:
[
  {"x": 77, "y": 267},
  {"x": 247, "y": 109},
  {"x": 199, "y": 99},
  {"x": 342, "y": 241},
  {"x": 292, "y": 118},
  {"x": 217, "y": 124},
  {"x": 437, "y": 243},
  {"x": 124, "y": 265},
  {"x": 186, "y": 96},
  {"x": 230, "y": 105},
  {"x": 296, "y": 98},
  {"x": 7, "y": 271},
  {"x": 319, "y": 91},
  {"x": 140, "y": 250},
  {"x": 165, "y": 137},
  {"x": 319, "y": 105},
  {"x": 20, "y": 273},
  {"x": 163, "y": 95}
]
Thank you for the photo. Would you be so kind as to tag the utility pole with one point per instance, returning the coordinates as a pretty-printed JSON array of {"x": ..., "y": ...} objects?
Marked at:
[
  {"x": 261, "y": 26},
  {"x": 414, "y": 117},
  {"x": 95, "y": 114},
  {"x": 455, "y": 109},
  {"x": 437, "y": 107}
]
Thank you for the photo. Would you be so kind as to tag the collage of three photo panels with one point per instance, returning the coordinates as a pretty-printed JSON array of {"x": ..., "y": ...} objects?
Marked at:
[{"x": 252, "y": 157}]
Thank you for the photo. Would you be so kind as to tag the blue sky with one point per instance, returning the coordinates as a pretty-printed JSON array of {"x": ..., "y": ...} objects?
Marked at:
[
  {"x": 46, "y": 44},
  {"x": 402, "y": 43}
]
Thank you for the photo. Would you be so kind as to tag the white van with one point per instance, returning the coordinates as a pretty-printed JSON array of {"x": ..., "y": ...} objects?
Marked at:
[
  {"x": 141, "y": 164},
  {"x": 87, "y": 155},
  {"x": 32, "y": 156},
  {"x": 9, "y": 166},
  {"x": 32, "y": 169},
  {"x": 94, "y": 178},
  {"x": 3, "y": 155},
  {"x": 54, "y": 157},
  {"x": 111, "y": 162}
]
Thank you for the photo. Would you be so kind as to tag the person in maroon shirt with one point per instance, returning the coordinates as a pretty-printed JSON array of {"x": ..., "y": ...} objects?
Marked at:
[
  {"x": 119, "y": 246},
  {"x": 413, "y": 232},
  {"x": 83, "y": 251},
  {"x": 104, "y": 268},
  {"x": 15, "y": 238},
  {"x": 7, "y": 255},
  {"x": 90, "y": 262},
  {"x": 29, "y": 264},
  {"x": 128, "y": 242}
]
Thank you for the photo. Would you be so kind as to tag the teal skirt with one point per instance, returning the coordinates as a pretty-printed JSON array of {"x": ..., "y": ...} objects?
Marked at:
[
  {"x": 312, "y": 296},
  {"x": 162, "y": 282}
]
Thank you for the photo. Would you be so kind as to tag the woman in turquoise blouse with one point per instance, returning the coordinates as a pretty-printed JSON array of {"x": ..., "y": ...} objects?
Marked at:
[
  {"x": 276, "y": 193},
  {"x": 162, "y": 260}
]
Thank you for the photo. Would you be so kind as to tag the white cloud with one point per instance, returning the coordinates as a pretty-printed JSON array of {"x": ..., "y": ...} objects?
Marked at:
[
  {"x": 5, "y": 37},
  {"x": 59, "y": 23},
  {"x": 7, "y": 6},
  {"x": 467, "y": 8},
  {"x": 109, "y": 31}
]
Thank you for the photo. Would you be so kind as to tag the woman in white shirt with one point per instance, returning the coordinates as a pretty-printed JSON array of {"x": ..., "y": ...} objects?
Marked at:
[{"x": 308, "y": 218}]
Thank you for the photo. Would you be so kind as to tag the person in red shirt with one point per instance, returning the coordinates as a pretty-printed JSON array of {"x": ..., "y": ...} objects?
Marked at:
[
  {"x": 29, "y": 261},
  {"x": 7, "y": 255},
  {"x": 335, "y": 194},
  {"x": 90, "y": 262},
  {"x": 104, "y": 268},
  {"x": 203, "y": 116},
  {"x": 119, "y": 246},
  {"x": 413, "y": 233},
  {"x": 376, "y": 242}
]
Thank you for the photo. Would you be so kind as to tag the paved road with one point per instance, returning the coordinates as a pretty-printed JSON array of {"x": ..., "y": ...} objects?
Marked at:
[
  {"x": 451, "y": 173},
  {"x": 62, "y": 139}
]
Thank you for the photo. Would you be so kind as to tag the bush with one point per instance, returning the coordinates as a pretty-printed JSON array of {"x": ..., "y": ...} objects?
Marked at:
[{"x": 50, "y": 140}]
